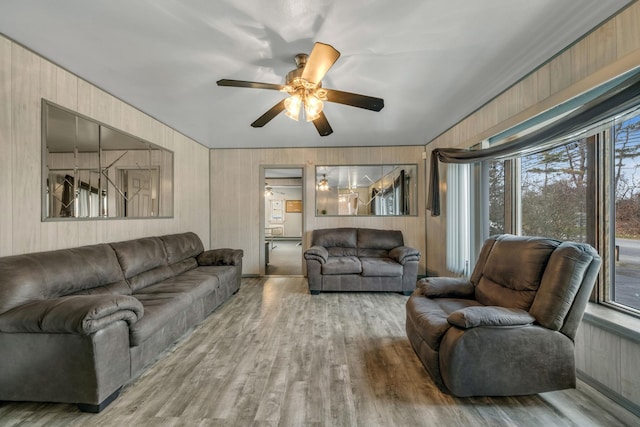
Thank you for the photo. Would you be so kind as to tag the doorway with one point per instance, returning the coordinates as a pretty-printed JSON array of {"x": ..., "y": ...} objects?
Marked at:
[{"x": 283, "y": 218}]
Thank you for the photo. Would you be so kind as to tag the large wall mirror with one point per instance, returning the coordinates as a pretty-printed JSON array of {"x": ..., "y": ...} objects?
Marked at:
[
  {"x": 366, "y": 190},
  {"x": 90, "y": 170}
]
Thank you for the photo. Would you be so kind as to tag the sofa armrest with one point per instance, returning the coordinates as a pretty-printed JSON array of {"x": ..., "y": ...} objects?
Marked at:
[
  {"x": 81, "y": 314},
  {"x": 475, "y": 316},
  {"x": 446, "y": 287},
  {"x": 403, "y": 254},
  {"x": 318, "y": 253},
  {"x": 223, "y": 256}
]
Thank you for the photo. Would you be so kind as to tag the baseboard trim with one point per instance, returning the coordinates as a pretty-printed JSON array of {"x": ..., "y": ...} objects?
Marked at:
[{"x": 611, "y": 394}]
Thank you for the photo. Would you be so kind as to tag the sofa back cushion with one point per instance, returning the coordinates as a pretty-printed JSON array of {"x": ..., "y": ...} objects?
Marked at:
[
  {"x": 46, "y": 275},
  {"x": 140, "y": 255},
  {"x": 377, "y": 243},
  {"x": 143, "y": 261},
  {"x": 182, "y": 246},
  {"x": 337, "y": 241},
  {"x": 513, "y": 271}
]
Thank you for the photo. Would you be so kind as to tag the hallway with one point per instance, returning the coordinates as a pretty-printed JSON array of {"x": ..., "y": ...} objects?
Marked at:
[{"x": 285, "y": 259}]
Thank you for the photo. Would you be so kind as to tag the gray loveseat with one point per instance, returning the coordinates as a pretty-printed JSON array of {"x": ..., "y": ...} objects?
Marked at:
[
  {"x": 508, "y": 329},
  {"x": 360, "y": 259},
  {"x": 77, "y": 324}
]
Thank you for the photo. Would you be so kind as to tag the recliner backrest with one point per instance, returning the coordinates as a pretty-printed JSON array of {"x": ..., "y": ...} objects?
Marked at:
[
  {"x": 549, "y": 278},
  {"x": 512, "y": 270},
  {"x": 571, "y": 272}
]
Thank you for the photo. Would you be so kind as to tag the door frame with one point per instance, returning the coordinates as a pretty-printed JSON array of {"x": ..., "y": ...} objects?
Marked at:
[{"x": 261, "y": 238}]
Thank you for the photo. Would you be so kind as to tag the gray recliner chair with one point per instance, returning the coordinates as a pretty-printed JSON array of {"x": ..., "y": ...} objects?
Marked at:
[{"x": 508, "y": 329}]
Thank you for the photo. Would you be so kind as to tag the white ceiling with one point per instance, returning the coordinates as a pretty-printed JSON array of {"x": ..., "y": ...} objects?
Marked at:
[{"x": 433, "y": 61}]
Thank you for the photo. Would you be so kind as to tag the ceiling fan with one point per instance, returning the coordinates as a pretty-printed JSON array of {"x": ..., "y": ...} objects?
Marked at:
[{"x": 304, "y": 85}]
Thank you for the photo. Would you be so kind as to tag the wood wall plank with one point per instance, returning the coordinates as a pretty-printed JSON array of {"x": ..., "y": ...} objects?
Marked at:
[
  {"x": 26, "y": 78},
  {"x": 6, "y": 148},
  {"x": 235, "y": 206},
  {"x": 603, "y": 54}
]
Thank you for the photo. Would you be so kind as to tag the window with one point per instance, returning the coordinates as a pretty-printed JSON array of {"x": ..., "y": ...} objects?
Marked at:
[
  {"x": 497, "y": 201},
  {"x": 584, "y": 189},
  {"x": 458, "y": 219},
  {"x": 554, "y": 192},
  {"x": 625, "y": 289}
]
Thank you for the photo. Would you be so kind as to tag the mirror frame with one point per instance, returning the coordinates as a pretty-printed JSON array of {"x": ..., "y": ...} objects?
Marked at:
[
  {"x": 337, "y": 174},
  {"x": 163, "y": 205}
]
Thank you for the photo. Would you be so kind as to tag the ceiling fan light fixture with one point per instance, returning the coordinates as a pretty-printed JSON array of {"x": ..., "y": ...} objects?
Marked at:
[
  {"x": 292, "y": 106},
  {"x": 312, "y": 107}
]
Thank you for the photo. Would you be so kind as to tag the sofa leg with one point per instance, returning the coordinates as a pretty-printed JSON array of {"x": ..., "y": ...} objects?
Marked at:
[
  {"x": 94, "y": 409},
  {"x": 314, "y": 292},
  {"x": 406, "y": 293}
]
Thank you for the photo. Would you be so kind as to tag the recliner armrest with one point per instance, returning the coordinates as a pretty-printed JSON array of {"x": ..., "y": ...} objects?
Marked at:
[
  {"x": 446, "y": 287},
  {"x": 222, "y": 256},
  {"x": 403, "y": 254},
  {"x": 319, "y": 253},
  {"x": 475, "y": 316},
  {"x": 82, "y": 314}
]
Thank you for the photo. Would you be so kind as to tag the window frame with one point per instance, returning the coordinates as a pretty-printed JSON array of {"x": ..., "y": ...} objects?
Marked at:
[{"x": 601, "y": 203}]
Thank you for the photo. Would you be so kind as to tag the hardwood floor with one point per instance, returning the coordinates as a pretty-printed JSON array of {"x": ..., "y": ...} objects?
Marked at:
[{"x": 274, "y": 355}]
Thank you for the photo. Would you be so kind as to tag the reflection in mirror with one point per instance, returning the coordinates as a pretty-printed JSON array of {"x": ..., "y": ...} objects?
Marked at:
[
  {"x": 93, "y": 171},
  {"x": 367, "y": 190}
]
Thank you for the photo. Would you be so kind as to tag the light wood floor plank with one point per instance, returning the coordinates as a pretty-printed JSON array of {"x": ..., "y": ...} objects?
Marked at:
[{"x": 273, "y": 355}]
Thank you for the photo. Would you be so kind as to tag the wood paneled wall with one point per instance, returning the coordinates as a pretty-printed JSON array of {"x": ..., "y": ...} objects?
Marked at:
[
  {"x": 603, "y": 54},
  {"x": 26, "y": 78},
  {"x": 237, "y": 188},
  {"x": 613, "y": 48}
]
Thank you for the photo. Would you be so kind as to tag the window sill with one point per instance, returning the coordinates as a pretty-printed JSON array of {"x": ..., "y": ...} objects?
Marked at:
[{"x": 613, "y": 321}]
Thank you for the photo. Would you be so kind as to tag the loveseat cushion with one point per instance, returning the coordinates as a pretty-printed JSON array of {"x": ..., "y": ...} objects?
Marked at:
[
  {"x": 381, "y": 267},
  {"x": 378, "y": 243},
  {"x": 513, "y": 271},
  {"x": 337, "y": 241},
  {"x": 342, "y": 265}
]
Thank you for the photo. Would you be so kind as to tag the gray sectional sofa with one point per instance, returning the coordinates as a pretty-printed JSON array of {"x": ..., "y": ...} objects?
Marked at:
[
  {"x": 360, "y": 259},
  {"x": 77, "y": 324}
]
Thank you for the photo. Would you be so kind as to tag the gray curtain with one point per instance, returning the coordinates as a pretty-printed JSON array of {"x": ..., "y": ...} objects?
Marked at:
[{"x": 620, "y": 98}]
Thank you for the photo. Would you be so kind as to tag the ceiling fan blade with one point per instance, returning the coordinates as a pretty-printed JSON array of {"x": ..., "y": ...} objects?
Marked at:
[
  {"x": 322, "y": 57},
  {"x": 355, "y": 100},
  {"x": 252, "y": 85},
  {"x": 266, "y": 117},
  {"x": 322, "y": 125}
]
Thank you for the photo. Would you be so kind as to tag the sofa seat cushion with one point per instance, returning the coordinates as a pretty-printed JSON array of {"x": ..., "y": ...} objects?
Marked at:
[
  {"x": 193, "y": 286},
  {"x": 165, "y": 300},
  {"x": 342, "y": 265},
  {"x": 429, "y": 316},
  {"x": 160, "y": 309},
  {"x": 224, "y": 273},
  {"x": 381, "y": 267}
]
